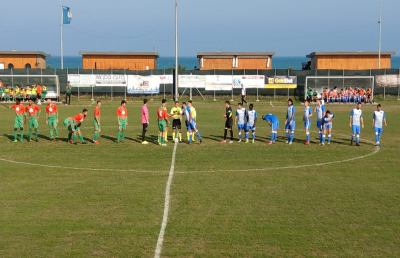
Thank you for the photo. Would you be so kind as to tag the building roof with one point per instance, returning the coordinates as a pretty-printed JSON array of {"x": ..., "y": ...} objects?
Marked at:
[
  {"x": 350, "y": 53},
  {"x": 14, "y": 52},
  {"x": 231, "y": 54},
  {"x": 111, "y": 53}
]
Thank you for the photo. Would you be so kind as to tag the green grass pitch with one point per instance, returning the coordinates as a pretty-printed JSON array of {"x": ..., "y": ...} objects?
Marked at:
[{"x": 239, "y": 200}]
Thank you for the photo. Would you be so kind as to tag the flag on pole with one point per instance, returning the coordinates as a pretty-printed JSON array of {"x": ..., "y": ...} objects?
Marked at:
[{"x": 67, "y": 15}]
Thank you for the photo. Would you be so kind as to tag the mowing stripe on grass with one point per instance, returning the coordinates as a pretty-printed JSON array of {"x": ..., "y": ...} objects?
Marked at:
[
  {"x": 166, "y": 205},
  {"x": 78, "y": 168}
]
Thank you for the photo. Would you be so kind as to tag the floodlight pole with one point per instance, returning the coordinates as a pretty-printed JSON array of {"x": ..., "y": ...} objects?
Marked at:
[
  {"x": 61, "y": 35},
  {"x": 380, "y": 34},
  {"x": 176, "y": 53}
]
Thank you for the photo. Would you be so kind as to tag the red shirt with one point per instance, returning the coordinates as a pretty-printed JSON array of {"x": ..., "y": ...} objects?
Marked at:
[
  {"x": 122, "y": 112},
  {"x": 51, "y": 109},
  {"x": 162, "y": 113},
  {"x": 32, "y": 110},
  {"x": 97, "y": 111},
  {"x": 39, "y": 89},
  {"x": 19, "y": 109},
  {"x": 79, "y": 118}
]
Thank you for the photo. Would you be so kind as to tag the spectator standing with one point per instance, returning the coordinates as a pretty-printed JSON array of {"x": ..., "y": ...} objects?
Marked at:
[
  {"x": 243, "y": 95},
  {"x": 68, "y": 92}
]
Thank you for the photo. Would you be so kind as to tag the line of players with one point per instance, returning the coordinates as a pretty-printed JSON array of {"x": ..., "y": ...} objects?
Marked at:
[
  {"x": 30, "y": 114},
  {"x": 246, "y": 122},
  {"x": 244, "y": 119}
]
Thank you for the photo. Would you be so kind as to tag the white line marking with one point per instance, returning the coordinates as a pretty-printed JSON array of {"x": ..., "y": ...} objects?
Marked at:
[
  {"x": 377, "y": 149},
  {"x": 200, "y": 171},
  {"x": 287, "y": 167},
  {"x": 166, "y": 205}
]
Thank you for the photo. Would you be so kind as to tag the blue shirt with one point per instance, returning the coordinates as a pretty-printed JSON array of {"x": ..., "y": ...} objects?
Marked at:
[
  {"x": 290, "y": 113},
  {"x": 379, "y": 117},
  {"x": 187, "y": 113},
  {"x": 307, "y": 113},
  {"x": 241, "y": 115},
  {"x": 251, "y": 117},
  {"x": 273, "y": 119},
  {"x": 320, "y": 110},
  {"x": 356, "y": 115},
  {"x": 327, "y": 120}
]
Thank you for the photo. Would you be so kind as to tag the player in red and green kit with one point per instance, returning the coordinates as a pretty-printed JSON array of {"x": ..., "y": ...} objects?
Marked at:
[
  {"x": 33, "y": 112},
  {"x": 19, "y": 120},
  {"x": 73, "y": 125},
  {"x": 52, "y": 118},
  {"x": 122, "y": 117},
  {"x": 162, "y": 115},
  {"x": 96, "y": 122}
]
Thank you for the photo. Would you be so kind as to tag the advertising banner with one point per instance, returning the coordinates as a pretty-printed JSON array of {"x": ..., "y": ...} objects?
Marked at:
[
  {"x": 165, "y": 79},
  {"x": 391, "y": 80},
  {"x": 248, "y": 81},
  {"x": 82, "y": 80},
  {"x": 111, "y": 80},
  {"x": 192, "y": 81},
  {"x": 98, "y": 80},
  {"x": 143, "y": 84},
  {"x": 281, "y": 82},
  {"x": 219, "y": 82}
]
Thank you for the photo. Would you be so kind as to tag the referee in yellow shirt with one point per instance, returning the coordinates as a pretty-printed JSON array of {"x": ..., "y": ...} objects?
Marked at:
[{"x": 176, "y": 114}]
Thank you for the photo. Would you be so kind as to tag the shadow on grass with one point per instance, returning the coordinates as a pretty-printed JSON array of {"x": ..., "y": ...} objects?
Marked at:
[
  {"x": 110, "y": 138},
  {"x": 10, "y": 137},
  {"x": 44, "y": 137}
]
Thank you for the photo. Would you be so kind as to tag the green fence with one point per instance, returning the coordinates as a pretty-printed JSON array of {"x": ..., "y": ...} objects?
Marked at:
[{"x": 167, "y": 89}]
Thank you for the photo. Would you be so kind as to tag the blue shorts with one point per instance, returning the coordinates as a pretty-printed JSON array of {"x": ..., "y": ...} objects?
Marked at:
[
  {"x": 356, "y": 129},
  {"x": 191, "y": 126},
  {"x": 275, "y": 126},
  {"x": 307, "y": 124},
  {"x": 327, "y": 126},
  {"x": 378, "y": 130},
  {"x": 290, "y": 126},
  {"x": 250, "y": 128},
  {"x": 241, "y": 127},
  {"x": 319, "y": 124}
]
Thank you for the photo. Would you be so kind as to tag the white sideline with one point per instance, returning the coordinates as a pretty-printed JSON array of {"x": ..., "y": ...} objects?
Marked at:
[{"x": 166, "y": 205}]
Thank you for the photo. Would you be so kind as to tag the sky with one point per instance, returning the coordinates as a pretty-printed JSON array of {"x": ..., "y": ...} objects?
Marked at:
[{"x": 286, "y": 27}]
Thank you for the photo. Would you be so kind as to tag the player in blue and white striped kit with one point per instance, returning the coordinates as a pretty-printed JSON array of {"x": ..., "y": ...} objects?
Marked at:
[
  {"x": 241, "y": 120},
  {"x": 320, "y": 110},
  {"x": 356, "y": 123},
  {"x": 191, "y": 124},
  {"x": 290, "y": 124},
  {"x": 307, "y": 114},
  {"x": 379, "y": 119},
  {"x": 327, "y": 125},
  {"x": 251, "y": 123},
  {"x": 274, "y": 123}
]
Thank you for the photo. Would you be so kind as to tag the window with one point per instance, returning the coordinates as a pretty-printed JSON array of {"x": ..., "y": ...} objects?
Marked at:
[
  {"x": 10, "y": 66},
  {"x": 28, "y": 66}
]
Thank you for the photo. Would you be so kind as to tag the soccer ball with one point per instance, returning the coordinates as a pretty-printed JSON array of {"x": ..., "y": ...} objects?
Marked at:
[{"x": 176, "y": 140}]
